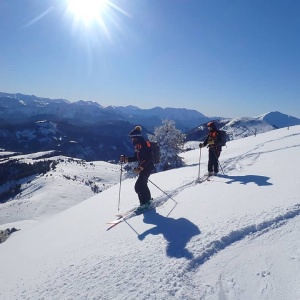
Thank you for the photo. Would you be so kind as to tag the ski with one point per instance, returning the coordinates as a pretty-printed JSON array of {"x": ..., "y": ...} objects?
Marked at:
[
  {"x": 114, "y": 224},
  {"x": 119, "y": 220},
  {"x": 204, "y": 178},
  {"x": 209, "y": 177},
  {"x": 136, "y": 212},
  {"x": 121, "y": 215},
  {"x": 141, "y": 211},
  {"x": 130, "y": 214}
]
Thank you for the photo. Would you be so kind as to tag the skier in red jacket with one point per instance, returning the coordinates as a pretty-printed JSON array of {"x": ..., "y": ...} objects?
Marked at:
[{"x": 214, "y": 141}]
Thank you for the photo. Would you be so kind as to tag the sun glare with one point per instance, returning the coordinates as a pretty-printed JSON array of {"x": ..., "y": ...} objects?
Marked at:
[
  {"x": 94, "y": 21},
  {"x": 87, "y": 11}
]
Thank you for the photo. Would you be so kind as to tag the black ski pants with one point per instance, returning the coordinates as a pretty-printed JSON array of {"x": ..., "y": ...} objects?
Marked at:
[
  {"x": 142, "y": 189},
  {"x": 213, "y": 159}
]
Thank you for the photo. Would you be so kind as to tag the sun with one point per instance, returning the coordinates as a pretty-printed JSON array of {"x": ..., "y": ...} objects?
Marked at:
[
  {"x": 94, "y": 21},
  {"x": 87, "y": 11}
]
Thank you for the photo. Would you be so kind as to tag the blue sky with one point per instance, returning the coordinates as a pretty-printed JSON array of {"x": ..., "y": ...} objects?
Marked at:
[{"x": 228, "y": 58}]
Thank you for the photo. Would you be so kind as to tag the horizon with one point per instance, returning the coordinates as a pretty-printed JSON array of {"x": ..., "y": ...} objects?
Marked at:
[
  {"x": 149, "y": 108},
  {"x": 225, "y": 59}
]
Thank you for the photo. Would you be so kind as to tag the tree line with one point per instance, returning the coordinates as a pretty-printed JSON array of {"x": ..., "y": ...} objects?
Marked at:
[{"x": 13, "y": 170}]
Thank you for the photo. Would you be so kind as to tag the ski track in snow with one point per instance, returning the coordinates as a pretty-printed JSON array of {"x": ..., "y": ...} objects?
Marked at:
[
  {"x": 269, "y": 273},
  {"x": 213, "y": 247},
  {"x": 68, "y": 280},
  {"x": 232, "y": 237},
  {"x": 177, "y": 280},
  {"x": 236, "y": 162}
]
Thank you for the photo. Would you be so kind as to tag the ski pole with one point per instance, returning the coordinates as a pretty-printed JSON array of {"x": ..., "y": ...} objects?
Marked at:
[
  {"x": 221, "y": 167},
  {"x": 163, "y": 191},
  {"x": 121, "y": 171},
  {"x": 199, "y": 164}
]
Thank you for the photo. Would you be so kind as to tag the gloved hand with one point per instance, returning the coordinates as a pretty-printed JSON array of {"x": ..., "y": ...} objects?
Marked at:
[
  {"x": 201, "y": 145},
  {"x": 123, "y": 159},
  {"x": 138, "y": 170},
  {"x": 211, "y": 142}
]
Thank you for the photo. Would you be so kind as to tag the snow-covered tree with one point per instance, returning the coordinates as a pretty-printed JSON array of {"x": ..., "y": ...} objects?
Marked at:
[{"x": 170, "y": 141}]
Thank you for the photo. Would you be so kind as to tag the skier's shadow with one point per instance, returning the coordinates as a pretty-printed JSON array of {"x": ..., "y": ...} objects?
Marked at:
[
  {"x": 177, "y": 232},
  {"x": 257, "y": 179}
]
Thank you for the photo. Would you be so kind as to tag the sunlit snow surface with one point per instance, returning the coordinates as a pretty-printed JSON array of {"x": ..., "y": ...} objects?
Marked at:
[{"x": 234, "y": 237}]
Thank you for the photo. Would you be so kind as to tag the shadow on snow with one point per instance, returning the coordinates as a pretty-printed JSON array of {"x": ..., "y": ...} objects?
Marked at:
[
  {"x": 245, "y": 179},
  {"x": 177, "y": 232}
]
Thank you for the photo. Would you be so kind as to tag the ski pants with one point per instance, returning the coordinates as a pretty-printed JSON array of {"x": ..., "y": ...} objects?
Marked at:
[
  {"x": 142, "y": 189},
  {"x": 213, "y": 160}
]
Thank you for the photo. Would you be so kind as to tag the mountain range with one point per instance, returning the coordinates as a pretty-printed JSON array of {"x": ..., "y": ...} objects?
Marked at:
[
  {"x": 89, "y": 131},
  {"x": 19, "y": 108}
]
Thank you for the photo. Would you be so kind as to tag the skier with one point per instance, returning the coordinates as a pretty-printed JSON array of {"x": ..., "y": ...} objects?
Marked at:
[
  {"x": 214, "y": 141},
  {"x": 143, "y": 155}
]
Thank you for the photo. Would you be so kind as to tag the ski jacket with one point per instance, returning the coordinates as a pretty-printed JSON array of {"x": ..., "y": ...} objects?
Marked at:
[
  {"x": 143, "y": 154},
  {"x": 217, "y": 139}
]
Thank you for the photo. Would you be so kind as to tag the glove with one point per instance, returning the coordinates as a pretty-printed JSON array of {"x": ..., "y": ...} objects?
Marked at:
[
  {"x": 123, "y": 159},
  {"x": 201, "y": 145},
  {"x": 211, "y": 142},
  {"x": 138, "y": 170}
]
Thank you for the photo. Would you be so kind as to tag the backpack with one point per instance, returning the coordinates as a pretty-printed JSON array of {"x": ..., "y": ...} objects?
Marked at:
[
  {"x": 224, "y": 137},
  {"x": 155, "y": 150}
]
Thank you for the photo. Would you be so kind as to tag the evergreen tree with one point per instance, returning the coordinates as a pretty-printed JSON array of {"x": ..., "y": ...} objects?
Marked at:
[{"x": 170, "y": 141}]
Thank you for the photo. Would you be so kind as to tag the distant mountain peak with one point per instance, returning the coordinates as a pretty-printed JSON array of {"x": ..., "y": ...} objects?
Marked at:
[{"x": 279, "y": 119}]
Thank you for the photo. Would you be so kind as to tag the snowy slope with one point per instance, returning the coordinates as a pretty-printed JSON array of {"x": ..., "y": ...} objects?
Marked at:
[
  {"x": 71, "y": 182},
  {"x": 243, "y": 127},
  {"x": 234, "y": 237}
]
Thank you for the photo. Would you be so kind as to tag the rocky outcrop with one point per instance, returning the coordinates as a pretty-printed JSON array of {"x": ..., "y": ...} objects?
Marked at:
[{"x": 4, "y": 234}]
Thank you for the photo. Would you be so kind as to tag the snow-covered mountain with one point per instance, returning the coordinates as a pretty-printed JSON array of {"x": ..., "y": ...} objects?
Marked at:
[
  {"x": 100, "y": 141},
  {"x": 233, "y": 237},
  {"x": 243, "y": 127},
  {"x": 185, "y": 119},
  {"x": 279, "y": 120},
  {"x": 89, "y": 131},
  {"x": 235, "y": 128},
  {"x": 19, "y": 108}
]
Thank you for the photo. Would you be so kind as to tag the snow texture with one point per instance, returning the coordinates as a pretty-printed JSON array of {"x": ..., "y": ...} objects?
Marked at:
[{"x": 233, "y": 237}]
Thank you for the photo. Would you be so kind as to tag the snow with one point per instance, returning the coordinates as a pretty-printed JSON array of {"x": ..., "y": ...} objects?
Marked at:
[
  {"x": 234, "y": 237},
  {"x": 242, "y": 127},
  {"x": 70, "y": 183},
  {"x": 279, "y": 119}
]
